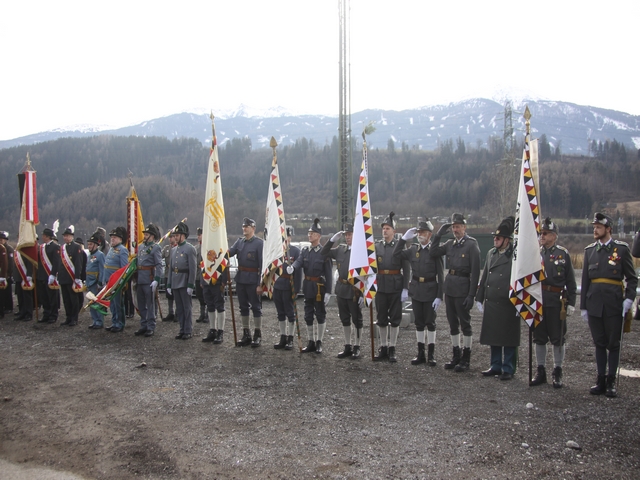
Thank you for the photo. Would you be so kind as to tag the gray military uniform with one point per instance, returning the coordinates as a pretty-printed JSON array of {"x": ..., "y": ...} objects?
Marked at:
[
  {"x": 346, "y": 293},
  {"x": 149, "y": 270},
  {"x": 182, "y": 275},
  {"x": 393, "y": 277}
]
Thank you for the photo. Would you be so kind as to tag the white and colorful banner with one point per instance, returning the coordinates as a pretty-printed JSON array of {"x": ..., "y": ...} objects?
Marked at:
[{"x": 135, "y": 224}]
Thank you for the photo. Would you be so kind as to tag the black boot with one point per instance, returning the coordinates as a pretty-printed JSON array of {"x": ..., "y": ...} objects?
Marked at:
[
  {"x": 246, "y": 338},
  {"x": 169, "y": 318},
  {"x": 600, "y": 387},
  {"x": 455, "y": 360},
  {"x": 431, "y": 361},
  {"x": 347, "y": 352},
  {"x": 211, "y": 336},
  {"x": 356, "y": 352},
  {"x": 282, "y": 343},
  {"x": 383, "y": 354},
  {"x": 611, "y": 387},
  {"x": 219, "y": 337},
  {"x": 392, "y": 355},
  {"x": 540, "y": 378},
  {"x": 557, "y": 377},
  {"x": 289, "y": 345},
  {"x": 318, "y": 346},
  {"x": 203, "y": 316},
  {"x": 420, "y": 358},
  {"x": 465, "y": 360},
  {"x": 257, "y": 338},
  {"x": 311, "y": 347}
]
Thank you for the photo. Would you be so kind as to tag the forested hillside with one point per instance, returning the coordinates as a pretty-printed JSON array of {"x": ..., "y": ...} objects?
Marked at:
[{"x": 84, "y": 181}]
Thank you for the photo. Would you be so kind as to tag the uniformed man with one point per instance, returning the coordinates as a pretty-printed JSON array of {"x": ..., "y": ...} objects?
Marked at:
[
  {"x": 605, "y": 300},
  {"x": 460, "y": 285},
  {"x": 116, "y": 258},
  {"x": 149, "y": 275},
  {"x": 47, "y": 284},
  {"x": 558, "y": 302},
  {"x": 248, "y": 250},
  {"x": 349, "y": 298},
  {"x": 182, "y": 279},
  {"x": 23, "y": 278},
  {"x": 166, "y": 255},
  {"x": 393, "y": 283},
  {"x": 83, "y": 275},
  {"x": 425, "y": 288},
  {"x": 69, "y": 274},
  {"x": 199, "y": 293},
  {"x": 284, "y": 291},
  {"x": 316, "y": 286},
  {"x": 3, "y": 277},
  {"x": 8, "y": 292},
  {"x": 95, "y": 278},
  {"x": 213, "y": 294},
  {"x": 500, "y": 319}
]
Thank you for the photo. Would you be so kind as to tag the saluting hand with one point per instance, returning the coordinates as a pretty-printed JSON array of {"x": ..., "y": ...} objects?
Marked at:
[
  {"x": 409, "y": 234},
  {"x": 337, "y": 236}
]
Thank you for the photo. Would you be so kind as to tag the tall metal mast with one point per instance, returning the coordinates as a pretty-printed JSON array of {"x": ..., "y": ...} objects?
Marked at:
[{"x": 344, "y": 136}]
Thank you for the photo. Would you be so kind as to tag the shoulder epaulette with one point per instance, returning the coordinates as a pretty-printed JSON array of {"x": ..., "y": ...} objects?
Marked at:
[
  {"x": 618, "y": 242},
  {"x": 591, "y": 245},
  {"x": 560, "y": 247},
  {"x": 472, "y": 238}
]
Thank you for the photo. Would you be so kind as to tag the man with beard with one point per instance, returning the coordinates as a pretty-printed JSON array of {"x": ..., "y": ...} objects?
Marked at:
[
  {"x": 95, "y": 277},
  {"x": 248, "y": 250},
  {"x": 283, "y": 297},
  {"x": 460, "y": 285},
  {"x": 349, "y": 298},
  {"x": 116, "y": 258},
  {"x": 316, "y": 286},
  {"x": 69, "y": 273},
  {"x": 48, "y": 287},
  {"x": 558, "y": 302},
  {"x": 182, "y": 279},
  {"x": 393, "y": 282},
  {"x": 425, "y": 288},
  {"x": 604, "y": 299},
  {"x": 150, "y": 272}
]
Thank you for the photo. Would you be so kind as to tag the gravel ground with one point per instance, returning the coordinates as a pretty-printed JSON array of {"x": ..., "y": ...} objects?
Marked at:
[{"x": 81, "y": 401}]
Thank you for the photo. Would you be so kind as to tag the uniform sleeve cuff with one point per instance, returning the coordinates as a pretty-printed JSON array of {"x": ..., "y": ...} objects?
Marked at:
[{"x": 191, "y": 285}]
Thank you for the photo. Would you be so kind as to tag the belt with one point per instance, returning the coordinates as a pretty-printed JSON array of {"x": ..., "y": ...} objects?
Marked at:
[
  {"x": 610, "y": 281},
  {"x": 111, "y": 267},
  {"x": 146, "y": 268},
  {"x": 550, "y": 288},
  {"x": 180, "y": 270},
  {"x": 424, "y": 279},
  {"x": 459, "y": 274},
  {"x": 314, "y": 279},
  {"x": 285, "y": 275},
  {"x": 389, "y": 272},
  {"x": 248, "y": 269}
]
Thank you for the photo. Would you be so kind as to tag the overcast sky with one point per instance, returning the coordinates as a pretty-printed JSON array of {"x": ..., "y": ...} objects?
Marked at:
[{"x": 119, "y": 63}]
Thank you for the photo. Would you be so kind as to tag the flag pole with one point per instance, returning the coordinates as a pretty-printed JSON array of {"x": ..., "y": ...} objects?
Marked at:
[
  {"x": 233, "y": 313},
  {"x": 527, "y": 116},
  {"x": 373, "y": 345}
]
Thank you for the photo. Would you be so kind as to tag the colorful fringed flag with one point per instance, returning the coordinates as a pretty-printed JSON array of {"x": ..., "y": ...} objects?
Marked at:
[
  {"x": 135, "y": 225},
  {"x": 527, "y": 272},
  {"x": 215, "y": 247},
  {"x": 117, "y": 281},
  {"x": 363, "y": 265},
  {"x": 27, "y": 247},
  {"x": 274, "y": 246}
]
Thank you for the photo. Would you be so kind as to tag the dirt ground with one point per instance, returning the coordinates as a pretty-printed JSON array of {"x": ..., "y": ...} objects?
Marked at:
[{"x": 79, "y": 402}]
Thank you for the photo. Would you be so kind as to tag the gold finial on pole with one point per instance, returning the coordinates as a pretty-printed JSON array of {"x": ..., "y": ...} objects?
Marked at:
[
  {"x": 213, "y": 128},
  {"x": 527, "y": 117},
  {"x": 273, "y": 144}
]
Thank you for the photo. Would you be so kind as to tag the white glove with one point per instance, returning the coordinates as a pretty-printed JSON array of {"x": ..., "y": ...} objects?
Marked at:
[
  {"x": 29, "y": 279},
  {"x": 51, "y": 279},
  {"x": 480, "y": 307},
  {"x": 626, "y": 306},
  {"x": 154, "y": 285},
  {"x": 436, "y": 303},
  {"x": 290, "y": 269},
  {"x": 327, "y": 297},
  {"x": 189, "y": 291},
  {"x": 409, "y": 234},
  {"x": 168, "y": 291},
  {"x": 337, "y": 236},
  {"x": 570, "y": 310},
  {"x": 78, "y": 283},
  {"x": 404, "y": 296},
  {"x": 585, "y": 315},
  {"x": 361, "y": 301},
  {"x": 3, "y": 280}
]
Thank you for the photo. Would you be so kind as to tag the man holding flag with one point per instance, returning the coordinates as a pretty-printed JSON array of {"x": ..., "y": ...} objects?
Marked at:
[
  {"x": 95, "y": 278},
  {"x": 117, "y": 258},
  {"x": 283, "y": 297},
  {"x": 48, "y": 287}
]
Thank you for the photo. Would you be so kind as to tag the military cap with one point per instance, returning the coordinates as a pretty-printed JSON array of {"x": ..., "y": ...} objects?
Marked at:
[
  {"x": 95, "y": 239},
  {"x": 48, "y": 232},
  {"x": 347, "y": 228},
  {"x": 458, "y": 218},
  {"x": 289, "y": 231},
  {"x": 199, "y": 230},
  {"x": 152, "y": 230},
  {"x": 315, "y": 226},
  {"x": 119, "y": 232},
  {"x": 80, "y": 241},
  {"x": 182, "y": 228},
  {"x": 602, "y": 219},
  {"x": 549, "y": 226},
  {"x": 70, "y": 230},
  {"x": 4, "y": 235},
  {"x": 505, "y": 229},
  {"x": 425, "y": 224},
  {"x": 390, "y": 220},
  {"x": 248, "y": 222}
]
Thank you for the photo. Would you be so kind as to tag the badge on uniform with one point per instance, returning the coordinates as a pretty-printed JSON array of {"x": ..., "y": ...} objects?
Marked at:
[
  {"x": 380, "y": 259},
  {"x": 417, "y": 254},
  {"x": 463, "y": 255}
]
